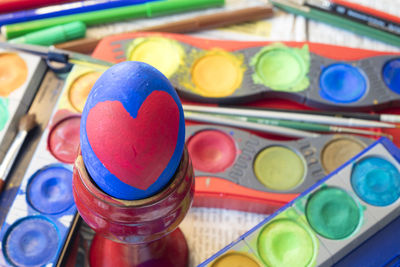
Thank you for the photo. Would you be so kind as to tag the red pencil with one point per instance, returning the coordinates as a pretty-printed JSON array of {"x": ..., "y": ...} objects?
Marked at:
[{"x": 14, "y": 5}]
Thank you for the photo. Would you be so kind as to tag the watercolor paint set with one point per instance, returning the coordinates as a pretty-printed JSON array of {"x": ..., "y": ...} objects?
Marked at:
[
  {"x": 382, "y": 249},
  {"x": 316, "y": 75},
  {"x": 328, "y": 220},
  {"x": 43, "y": 215},
  {"x": 239, "y": 170},
  {"x": 20, "y": 77}
]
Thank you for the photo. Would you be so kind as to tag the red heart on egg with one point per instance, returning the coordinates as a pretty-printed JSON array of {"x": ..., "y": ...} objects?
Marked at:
[{"x": 135, "y": 150}]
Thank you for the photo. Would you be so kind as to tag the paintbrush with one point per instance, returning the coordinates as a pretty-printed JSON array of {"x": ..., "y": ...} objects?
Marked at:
[
  {"x": 267, "y": 114},
  {"x": 304, "y": 126},
  {"x": 283, "y": 131},
  {"x": 26, "y": 123}
]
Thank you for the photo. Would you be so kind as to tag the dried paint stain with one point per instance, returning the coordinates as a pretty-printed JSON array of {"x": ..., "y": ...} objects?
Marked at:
[
  {"x": 13, "y": 73},
  {"x": 282, "y": 68},
  {"x": 4, "y": 114}
]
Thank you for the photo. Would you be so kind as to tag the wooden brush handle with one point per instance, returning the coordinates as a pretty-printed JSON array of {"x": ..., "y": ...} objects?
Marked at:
[{"x": 1, "y": 185}]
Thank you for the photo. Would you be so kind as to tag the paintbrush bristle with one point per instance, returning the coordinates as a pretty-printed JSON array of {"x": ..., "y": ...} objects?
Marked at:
[{"x": 27, "y": 122}]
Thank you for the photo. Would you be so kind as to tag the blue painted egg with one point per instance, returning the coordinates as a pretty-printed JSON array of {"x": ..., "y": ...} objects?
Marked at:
[{"x": 132, "y": 131}]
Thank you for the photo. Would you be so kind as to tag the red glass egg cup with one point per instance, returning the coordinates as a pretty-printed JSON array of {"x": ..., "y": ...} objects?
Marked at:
[{"x": 139, "y": 233}]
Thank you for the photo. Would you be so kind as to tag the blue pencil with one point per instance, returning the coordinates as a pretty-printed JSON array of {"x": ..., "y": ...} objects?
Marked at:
[{"x": 65, "y": 9}]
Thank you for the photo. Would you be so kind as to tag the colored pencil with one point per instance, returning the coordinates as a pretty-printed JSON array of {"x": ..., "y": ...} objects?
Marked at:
[
  {"x": 248, "y": 125},
  {"x": 338, "y": 21},
  {"x": 13, "y": 5},
  {"x": 350, "y": 122},
  {"x": 64, "y": 9},
  {"x": 220, "y": 19},
  {"x": 304, "y": 126},
  {"x": 53, "y": 35},
  {"x": 361, "y": 14},
  {"x": 393, "y": 118},
  {"x": 145, "y": 10}
]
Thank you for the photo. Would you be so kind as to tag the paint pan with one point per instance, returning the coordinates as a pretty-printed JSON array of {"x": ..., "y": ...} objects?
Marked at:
[
  {"x": 164, "y": 54},
  {"x": 331, "y": 218},
  {"x": 42, "y": 218},
  {"x": 80, "y": 89},
  {"x": 63, "y": 139},
  {"x": 20, "y": 77},
  {"x": 232, "y": 164},
  {"x": 77, "y": 88},
  {"x": 212, "y": 71},
  {"x": 38, "y": 222}
]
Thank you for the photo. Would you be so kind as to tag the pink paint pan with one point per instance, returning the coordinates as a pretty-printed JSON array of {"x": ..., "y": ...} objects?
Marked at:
[
  {"x": 63, "y": 139},
  {"x": 212, "y": 151}
]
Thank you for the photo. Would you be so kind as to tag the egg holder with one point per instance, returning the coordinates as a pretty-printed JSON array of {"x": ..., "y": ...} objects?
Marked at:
[
  {"x": 235, "y": 184},
  {"x": 44, "y": 198},
  {"x": 18, "y": 101},
  {"x": 326, "y": 61},
  {"x": 319, "y": 242},
  {"x": 139, "y": 228}
]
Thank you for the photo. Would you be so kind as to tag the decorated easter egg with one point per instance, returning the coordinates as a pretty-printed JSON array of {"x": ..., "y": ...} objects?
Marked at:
[{"x": 132, "y": 131}]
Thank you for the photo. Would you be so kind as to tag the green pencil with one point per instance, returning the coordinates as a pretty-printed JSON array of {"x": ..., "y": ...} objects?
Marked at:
[
  {"x": 147, "y": 10},
  {"x": 337, "y": 21}
]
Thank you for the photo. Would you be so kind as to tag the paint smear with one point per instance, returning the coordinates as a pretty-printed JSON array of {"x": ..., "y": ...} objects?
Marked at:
[
  {"x": 376, "y": 181},
  {"x": 279, "y": 168},
  {"x": 164, "y": 54},
  {"x": 4, "y": 114},
  {"x": 282, "y": 68},
  {"x": 235, "y": 259},
  {"x": 63, "y": 140},
  {"x": 13, "y": 73},
  {"x": 80, "y": 89},
  {"x": 32, "y": 241},
  {"x": 342, "y": 83},
  {"x": 286, "y": 243},
  {"x": 333, "y": 213},
  {"x": 339, "y": 151},
  {"x": 216, "y": 73},
  {"x": 211, "y": 151}
]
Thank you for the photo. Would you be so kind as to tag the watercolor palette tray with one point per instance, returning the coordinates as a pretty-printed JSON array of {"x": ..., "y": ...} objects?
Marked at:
[
  {"x": 239, "y": 170},
  {"x": 41, "y": 218},
  {"x": 20, "y": 77},
  {"x": 328, "y": 220},
  {"x": 317, "y": 75},
  {"x": 382, "y": 249}
]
